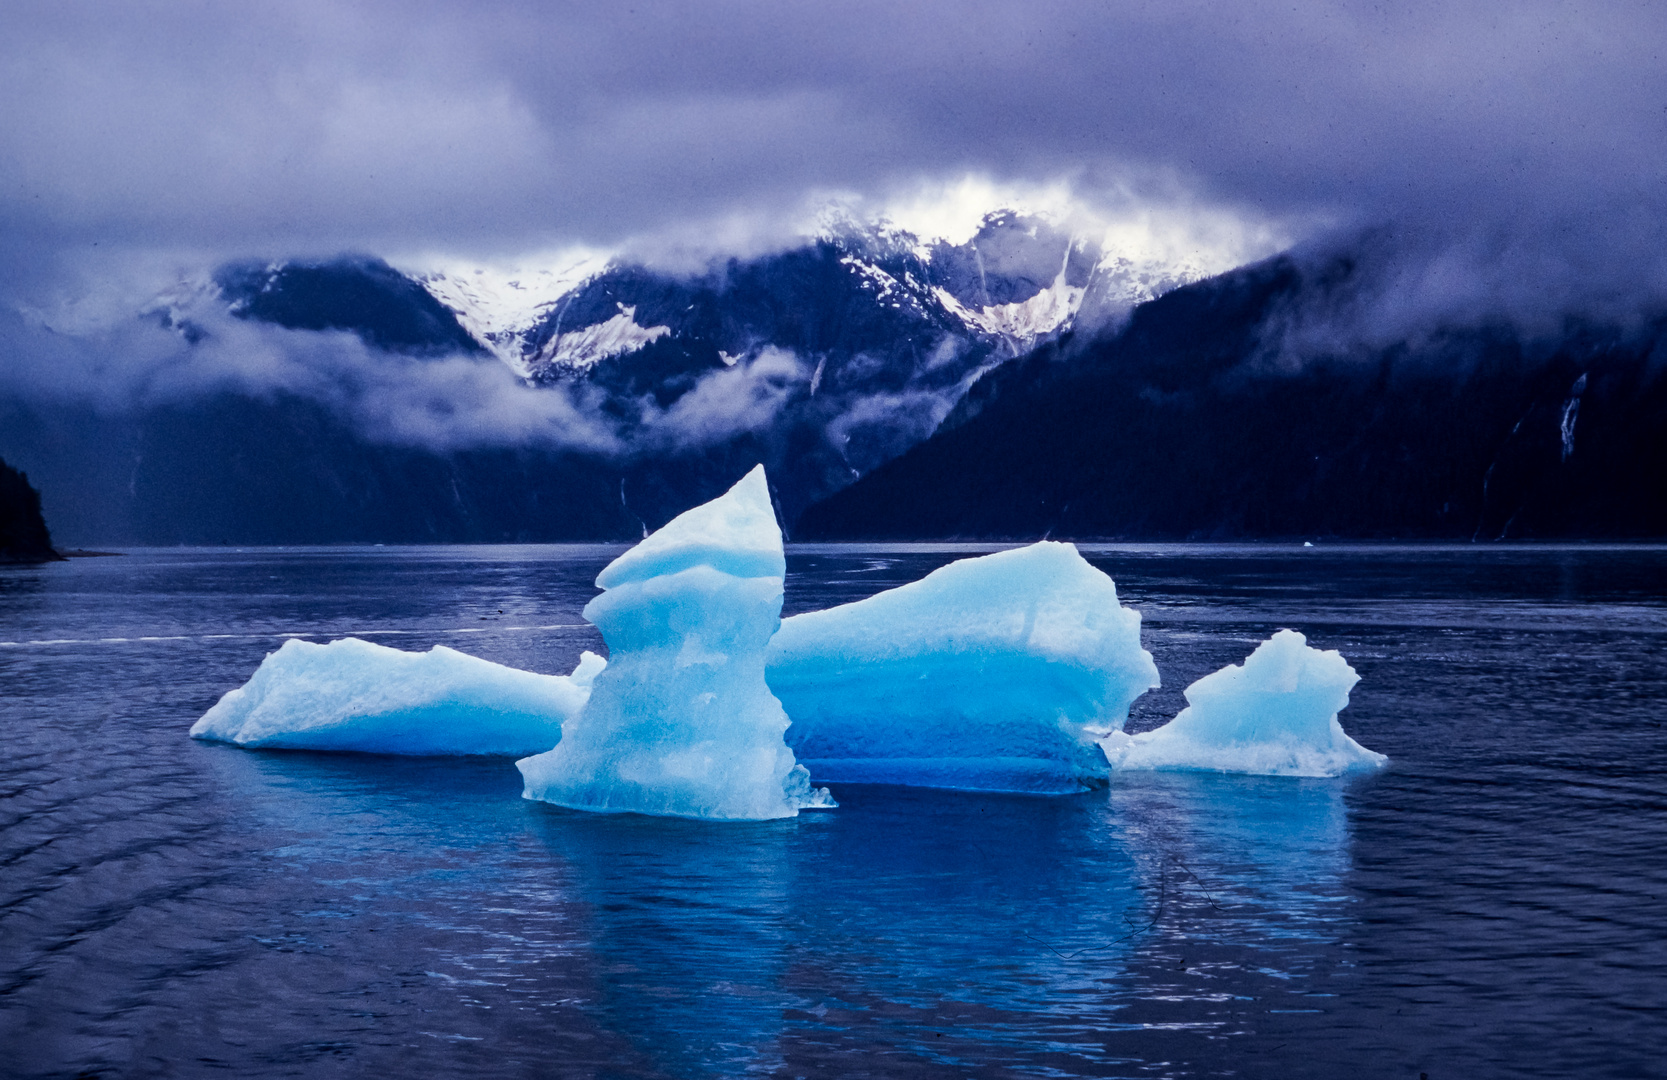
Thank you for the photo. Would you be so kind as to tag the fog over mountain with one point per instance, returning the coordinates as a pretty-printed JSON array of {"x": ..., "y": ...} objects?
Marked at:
[
  {"x": 823, "y": 360},
  {"x": 161, "y": 166}
]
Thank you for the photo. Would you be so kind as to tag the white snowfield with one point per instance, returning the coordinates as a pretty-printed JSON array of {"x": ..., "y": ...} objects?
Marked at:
[
  {"x": 353, "y": 695},
  {"x": 1274, "y": 715},
  {"x": 588, "y": 346},
  {"x": 501, "y": 308},
  {"x": 680, "y": 723},
  {"x": 1024, "y": 324},
  {"x": 997, "y": 673}
]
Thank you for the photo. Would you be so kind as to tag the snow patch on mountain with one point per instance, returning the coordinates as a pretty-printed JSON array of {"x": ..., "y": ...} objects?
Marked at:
[
  {"x": 1134, "y": 283},
  {"x": 182, "y": 307},
  {"x": 905, "y": 295},
  {"x": 578, "y": 350},
  {"x": 1023, "y": 324},
  {"x": 500, "y": 308}
]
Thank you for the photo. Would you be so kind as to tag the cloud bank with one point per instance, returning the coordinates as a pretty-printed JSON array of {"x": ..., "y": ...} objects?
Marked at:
[
  {"x": 189, "y": 346},
  {"x": 502, "y": 125},
  {"x": 1518, "y": 156},
  {"x": 134, "y": 346}
]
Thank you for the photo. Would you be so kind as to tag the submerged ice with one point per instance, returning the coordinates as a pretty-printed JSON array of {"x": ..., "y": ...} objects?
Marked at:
[
  {"x": 996, "y": 674},
  {"x": 1275, "y": 714},
  {"x": 359, "y": 696},
  {"x": 681, "y": 721}
]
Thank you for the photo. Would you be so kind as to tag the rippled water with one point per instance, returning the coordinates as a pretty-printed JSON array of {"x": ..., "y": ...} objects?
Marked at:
[{"x": 1491, "y": 905}]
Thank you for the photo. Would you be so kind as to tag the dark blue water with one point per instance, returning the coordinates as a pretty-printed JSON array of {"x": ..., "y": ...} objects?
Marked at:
[{"x": 1491, "y": 905}]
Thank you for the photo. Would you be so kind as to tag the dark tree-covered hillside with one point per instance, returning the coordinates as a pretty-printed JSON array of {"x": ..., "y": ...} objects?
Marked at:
[
  {"x": 1196, "y": 422},
  {"x": 23, "y": 535}
]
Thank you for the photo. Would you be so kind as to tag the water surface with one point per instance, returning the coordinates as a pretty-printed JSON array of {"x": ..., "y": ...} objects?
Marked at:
[{"x": 1490, "y": 905}]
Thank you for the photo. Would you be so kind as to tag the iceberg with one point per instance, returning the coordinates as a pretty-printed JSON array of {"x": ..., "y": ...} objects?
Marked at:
[
  {"x": 1274, "y": 715},
  {"x": 997, "y": 673},
  {"x": 681, "y": 723},
  {"x": 359, "y": 696}
]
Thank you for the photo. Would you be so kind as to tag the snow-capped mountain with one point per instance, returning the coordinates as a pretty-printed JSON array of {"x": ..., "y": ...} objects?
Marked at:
[
  {"x": 501, "y": 308},
  {"x": 1019, "y": 281},
  {"x": 387, "y": 309},
  {"x": 870, "y": 369},
  {"x": 823, "y": 359}
]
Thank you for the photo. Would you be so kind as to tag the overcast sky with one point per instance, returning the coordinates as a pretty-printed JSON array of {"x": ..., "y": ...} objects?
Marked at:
[{"x": 499, "y": 127}]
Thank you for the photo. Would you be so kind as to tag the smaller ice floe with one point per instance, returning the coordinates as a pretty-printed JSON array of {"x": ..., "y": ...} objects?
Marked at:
[
  {"x": 992, "y": 674},
  {"x": 354, "y": 695},
  {"x": 681, "y": 723},
  {"x": 1273, "y": 715}
]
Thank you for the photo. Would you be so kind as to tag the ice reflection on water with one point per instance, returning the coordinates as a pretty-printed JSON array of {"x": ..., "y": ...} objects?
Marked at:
[{"x": 1008, "y": 926}]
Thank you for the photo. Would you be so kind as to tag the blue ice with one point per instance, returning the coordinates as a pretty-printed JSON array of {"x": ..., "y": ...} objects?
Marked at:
[
  {"x": 1275, "y": 715},
  {"x": 990, "y": 674},
  {"x": 1010, "y": 672},
  {"x": 681, "y": 722},
  {"x": 356, "y": 695}
]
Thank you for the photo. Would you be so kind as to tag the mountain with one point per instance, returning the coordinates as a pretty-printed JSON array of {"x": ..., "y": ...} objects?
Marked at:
[
  {"x": 1211, "y": 415},
  {"x": 1006, "y": 385},
  {"x": 822, "y": 360},
  {"x": 285, "y": 470},
  {"x": 853, "y": 287},
  {"x": 23, "y": 534},
  {"x": 358, "y": 294}
]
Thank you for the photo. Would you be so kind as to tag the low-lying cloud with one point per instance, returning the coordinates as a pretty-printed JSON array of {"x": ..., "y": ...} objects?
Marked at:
[
  {"x": 747, "y": 396},
  {"x": 1379, "y": 289},
  {"x": 107, "y": 351},
  {"x": 190, "y": 349}
]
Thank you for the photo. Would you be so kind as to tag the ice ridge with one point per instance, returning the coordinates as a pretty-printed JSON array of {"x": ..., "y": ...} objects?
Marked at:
[{"x": 736, "y": 535}]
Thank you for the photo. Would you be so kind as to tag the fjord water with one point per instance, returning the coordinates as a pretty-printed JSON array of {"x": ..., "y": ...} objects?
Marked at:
[{"x": 1488, "y": 905}]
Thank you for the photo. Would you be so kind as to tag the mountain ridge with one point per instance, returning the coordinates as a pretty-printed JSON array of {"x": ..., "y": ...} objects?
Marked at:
[{"x": 1190, "y": 422}]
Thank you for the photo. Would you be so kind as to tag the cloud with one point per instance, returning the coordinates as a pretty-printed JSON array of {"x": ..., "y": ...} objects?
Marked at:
[
  {"x": 1376, "y": 290},
  {"x": 874, "y": 428},
  {"x": 1521, "y": 151},
  {"x": 515, "y": 123},
  {"x": 745, "y": 397},
  {"x": 141, "y": 341},
  {"x": 94, "y": 351}
]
